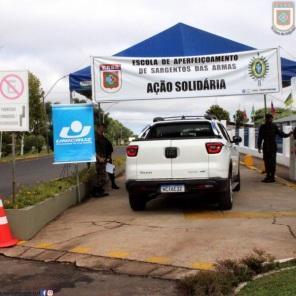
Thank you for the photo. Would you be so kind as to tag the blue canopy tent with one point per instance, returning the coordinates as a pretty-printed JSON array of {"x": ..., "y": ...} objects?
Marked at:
[{"x": 179, "y": 40}]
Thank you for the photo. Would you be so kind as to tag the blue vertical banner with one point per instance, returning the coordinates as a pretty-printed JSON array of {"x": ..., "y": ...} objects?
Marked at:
[{"x": 73, "y": 133}]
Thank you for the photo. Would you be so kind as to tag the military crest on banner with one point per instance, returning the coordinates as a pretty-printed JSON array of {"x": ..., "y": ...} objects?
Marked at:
[
  {"x": 283, "y": 17},
  {"x": 110, "y": 77}
]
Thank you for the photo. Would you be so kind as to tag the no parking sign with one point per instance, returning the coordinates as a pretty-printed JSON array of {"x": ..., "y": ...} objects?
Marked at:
[{"x": 14, "y": 101}]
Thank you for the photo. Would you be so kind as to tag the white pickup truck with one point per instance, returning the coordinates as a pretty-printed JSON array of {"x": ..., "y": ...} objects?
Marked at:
[{"x": 181, "y": 155}]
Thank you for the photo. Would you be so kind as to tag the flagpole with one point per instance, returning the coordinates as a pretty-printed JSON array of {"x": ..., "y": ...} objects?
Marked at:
[{"x": 265, "y": 107}]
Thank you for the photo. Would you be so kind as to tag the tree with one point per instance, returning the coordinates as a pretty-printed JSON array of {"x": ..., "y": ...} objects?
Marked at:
[
  {"x": 240, "y": 118},
  {"x": 38, "y": 121},
  {"x": 219, "y": 112},
  {"x": 279, "y": 113},
  {"x": 37, "y": 112},
  {"x": 115, "y": 130}
]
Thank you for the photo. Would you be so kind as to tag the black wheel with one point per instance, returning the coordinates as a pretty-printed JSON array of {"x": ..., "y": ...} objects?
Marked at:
[
  {"x": 238, "y": 181},
  {"x": 225, "y": 199},
  {"x": 137, "y": 202}
]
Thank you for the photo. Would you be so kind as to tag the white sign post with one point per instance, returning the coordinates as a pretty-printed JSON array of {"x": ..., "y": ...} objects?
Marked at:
[
  {"x": 14, "y": 109},
  {"x": 228, "y": 74},
  {"x": 14, "y": 101}
]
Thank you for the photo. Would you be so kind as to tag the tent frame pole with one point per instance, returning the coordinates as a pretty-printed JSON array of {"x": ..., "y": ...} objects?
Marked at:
[{"x": 265, "y": 106}]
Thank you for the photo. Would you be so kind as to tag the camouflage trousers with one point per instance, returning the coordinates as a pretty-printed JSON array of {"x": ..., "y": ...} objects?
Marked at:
[{"x": 101, "y": 178}]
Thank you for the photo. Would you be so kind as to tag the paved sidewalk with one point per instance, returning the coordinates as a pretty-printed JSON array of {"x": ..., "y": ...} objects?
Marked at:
[
  {"x": 25, "y": 277},
  {"x": 281, "y": 171}
]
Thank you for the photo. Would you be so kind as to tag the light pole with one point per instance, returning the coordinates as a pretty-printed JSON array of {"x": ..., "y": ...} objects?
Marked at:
[
  {"x": 104, "y": 111},
  {"x": 52, "y": 87},
  {"x": 44, "y": 95}
]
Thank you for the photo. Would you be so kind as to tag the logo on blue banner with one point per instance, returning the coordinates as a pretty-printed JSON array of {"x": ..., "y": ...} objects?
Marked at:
[{"x": 73, "y": 129}]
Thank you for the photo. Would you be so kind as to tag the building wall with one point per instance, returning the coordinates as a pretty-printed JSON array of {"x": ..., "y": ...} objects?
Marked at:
[{"x": 283, "y": 157}]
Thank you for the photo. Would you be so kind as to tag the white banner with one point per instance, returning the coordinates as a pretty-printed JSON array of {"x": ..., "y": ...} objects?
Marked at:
[
  {"x": 241, "y": 73},
  {"x": 14, "y": 101}
]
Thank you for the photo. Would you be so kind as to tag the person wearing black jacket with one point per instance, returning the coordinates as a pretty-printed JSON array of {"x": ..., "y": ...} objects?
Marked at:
[
  {"x": 104, "y": 150},
  {"x": 267, "y": 135}
]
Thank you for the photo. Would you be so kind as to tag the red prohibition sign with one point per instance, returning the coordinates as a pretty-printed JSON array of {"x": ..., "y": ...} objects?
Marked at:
[{"x": 13, "y": 92}]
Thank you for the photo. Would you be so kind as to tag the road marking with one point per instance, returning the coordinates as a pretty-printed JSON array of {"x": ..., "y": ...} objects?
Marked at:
[
  {"x": 21, "y": 242},
  {"x": 118, "y": 254},
  {"x": 237, "y": 215},
  {"x": 278, "y": 179},
  {"x": 203, "y": 265},
  {"x": 44, "y": 245},
  {"x": 80, "y": 250},
  {"x": 158, "y": 259},
  {"x": 285, "y": 182},
  {"x": 248, "y": 160}
]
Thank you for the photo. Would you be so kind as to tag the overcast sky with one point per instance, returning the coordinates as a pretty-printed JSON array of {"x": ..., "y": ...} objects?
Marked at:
[{"x": 52, "y": 38}]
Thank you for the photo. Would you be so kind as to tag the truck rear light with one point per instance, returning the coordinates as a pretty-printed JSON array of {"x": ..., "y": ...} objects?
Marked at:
[
  {"x": 132, "y": 150},
  {"x": 214, "y": 148}
]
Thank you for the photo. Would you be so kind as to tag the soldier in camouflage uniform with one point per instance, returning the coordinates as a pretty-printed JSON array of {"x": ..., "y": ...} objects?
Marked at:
[
  {"x": 104, "y": 150},
  {"x": 101, "y": 162}
]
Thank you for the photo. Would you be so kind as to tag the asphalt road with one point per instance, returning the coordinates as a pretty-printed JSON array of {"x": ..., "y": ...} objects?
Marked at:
[
  {"x": 32, "y": 171},
  {"x": 23, "y": 277}
]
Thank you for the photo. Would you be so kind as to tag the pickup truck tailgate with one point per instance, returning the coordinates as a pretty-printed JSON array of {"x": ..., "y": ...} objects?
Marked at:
[
  {"x": 192, "y": 161},
  {"x": 151, "y": 160}
]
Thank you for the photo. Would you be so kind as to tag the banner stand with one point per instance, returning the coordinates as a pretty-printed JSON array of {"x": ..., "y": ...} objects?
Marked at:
[
  {"x": 74, "y": 140},
  {"x": 78, "y": 196},
  {"x": 77, "y": 184}
]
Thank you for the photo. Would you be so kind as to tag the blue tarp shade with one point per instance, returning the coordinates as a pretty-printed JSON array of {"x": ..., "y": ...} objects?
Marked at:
[{"x": 179, "y": 40}]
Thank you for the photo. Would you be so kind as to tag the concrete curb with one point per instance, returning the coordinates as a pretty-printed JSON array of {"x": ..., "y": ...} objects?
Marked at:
[
  {"x": 278, "y": 179},
  {"x": 109, "y": 264},
  {"x": 26, "y": 222},
  {"x": 35, "y": 157},
  {"x": 100, "y": 263},
  {"x": 259, "y": 276}
]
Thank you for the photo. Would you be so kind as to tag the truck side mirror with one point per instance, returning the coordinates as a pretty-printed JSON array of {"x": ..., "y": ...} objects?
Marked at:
[{"x": 236, "y": 140}]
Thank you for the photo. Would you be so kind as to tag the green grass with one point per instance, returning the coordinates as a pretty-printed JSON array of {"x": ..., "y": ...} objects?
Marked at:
[
  {"x": 229, "y": 273},
  {"x": 282, "y": 283},
  {"x": 30, "y": 195},
  {"x": 25, "y": 156}
]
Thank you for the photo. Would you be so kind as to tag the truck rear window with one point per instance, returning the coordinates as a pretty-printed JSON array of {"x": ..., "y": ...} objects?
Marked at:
[{"x": 180, "y": 130}]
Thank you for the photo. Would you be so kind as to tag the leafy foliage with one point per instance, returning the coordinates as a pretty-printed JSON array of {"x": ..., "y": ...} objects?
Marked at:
[
  {"x": 36, "y": 141},
  {"x": 37, "y": 112},
  {"x": 259, "y": 117},
  {"x": 115, "y": 131},
  {"x": 219, "y": 112},
  {"x": 240, "y": 118},
  {"x": 30, "y": 195},
  {"x": 227, "y": 275}
]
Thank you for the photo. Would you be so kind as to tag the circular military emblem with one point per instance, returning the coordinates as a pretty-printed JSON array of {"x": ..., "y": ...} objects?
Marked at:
[{"x": 258, "y": 68}]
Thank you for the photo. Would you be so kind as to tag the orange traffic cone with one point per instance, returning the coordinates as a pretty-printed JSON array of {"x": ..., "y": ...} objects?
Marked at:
[{"x": 6, "y": 239}]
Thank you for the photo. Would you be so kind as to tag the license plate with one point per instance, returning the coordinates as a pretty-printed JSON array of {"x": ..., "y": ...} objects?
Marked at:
[{"x": 172, "y": 188}]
